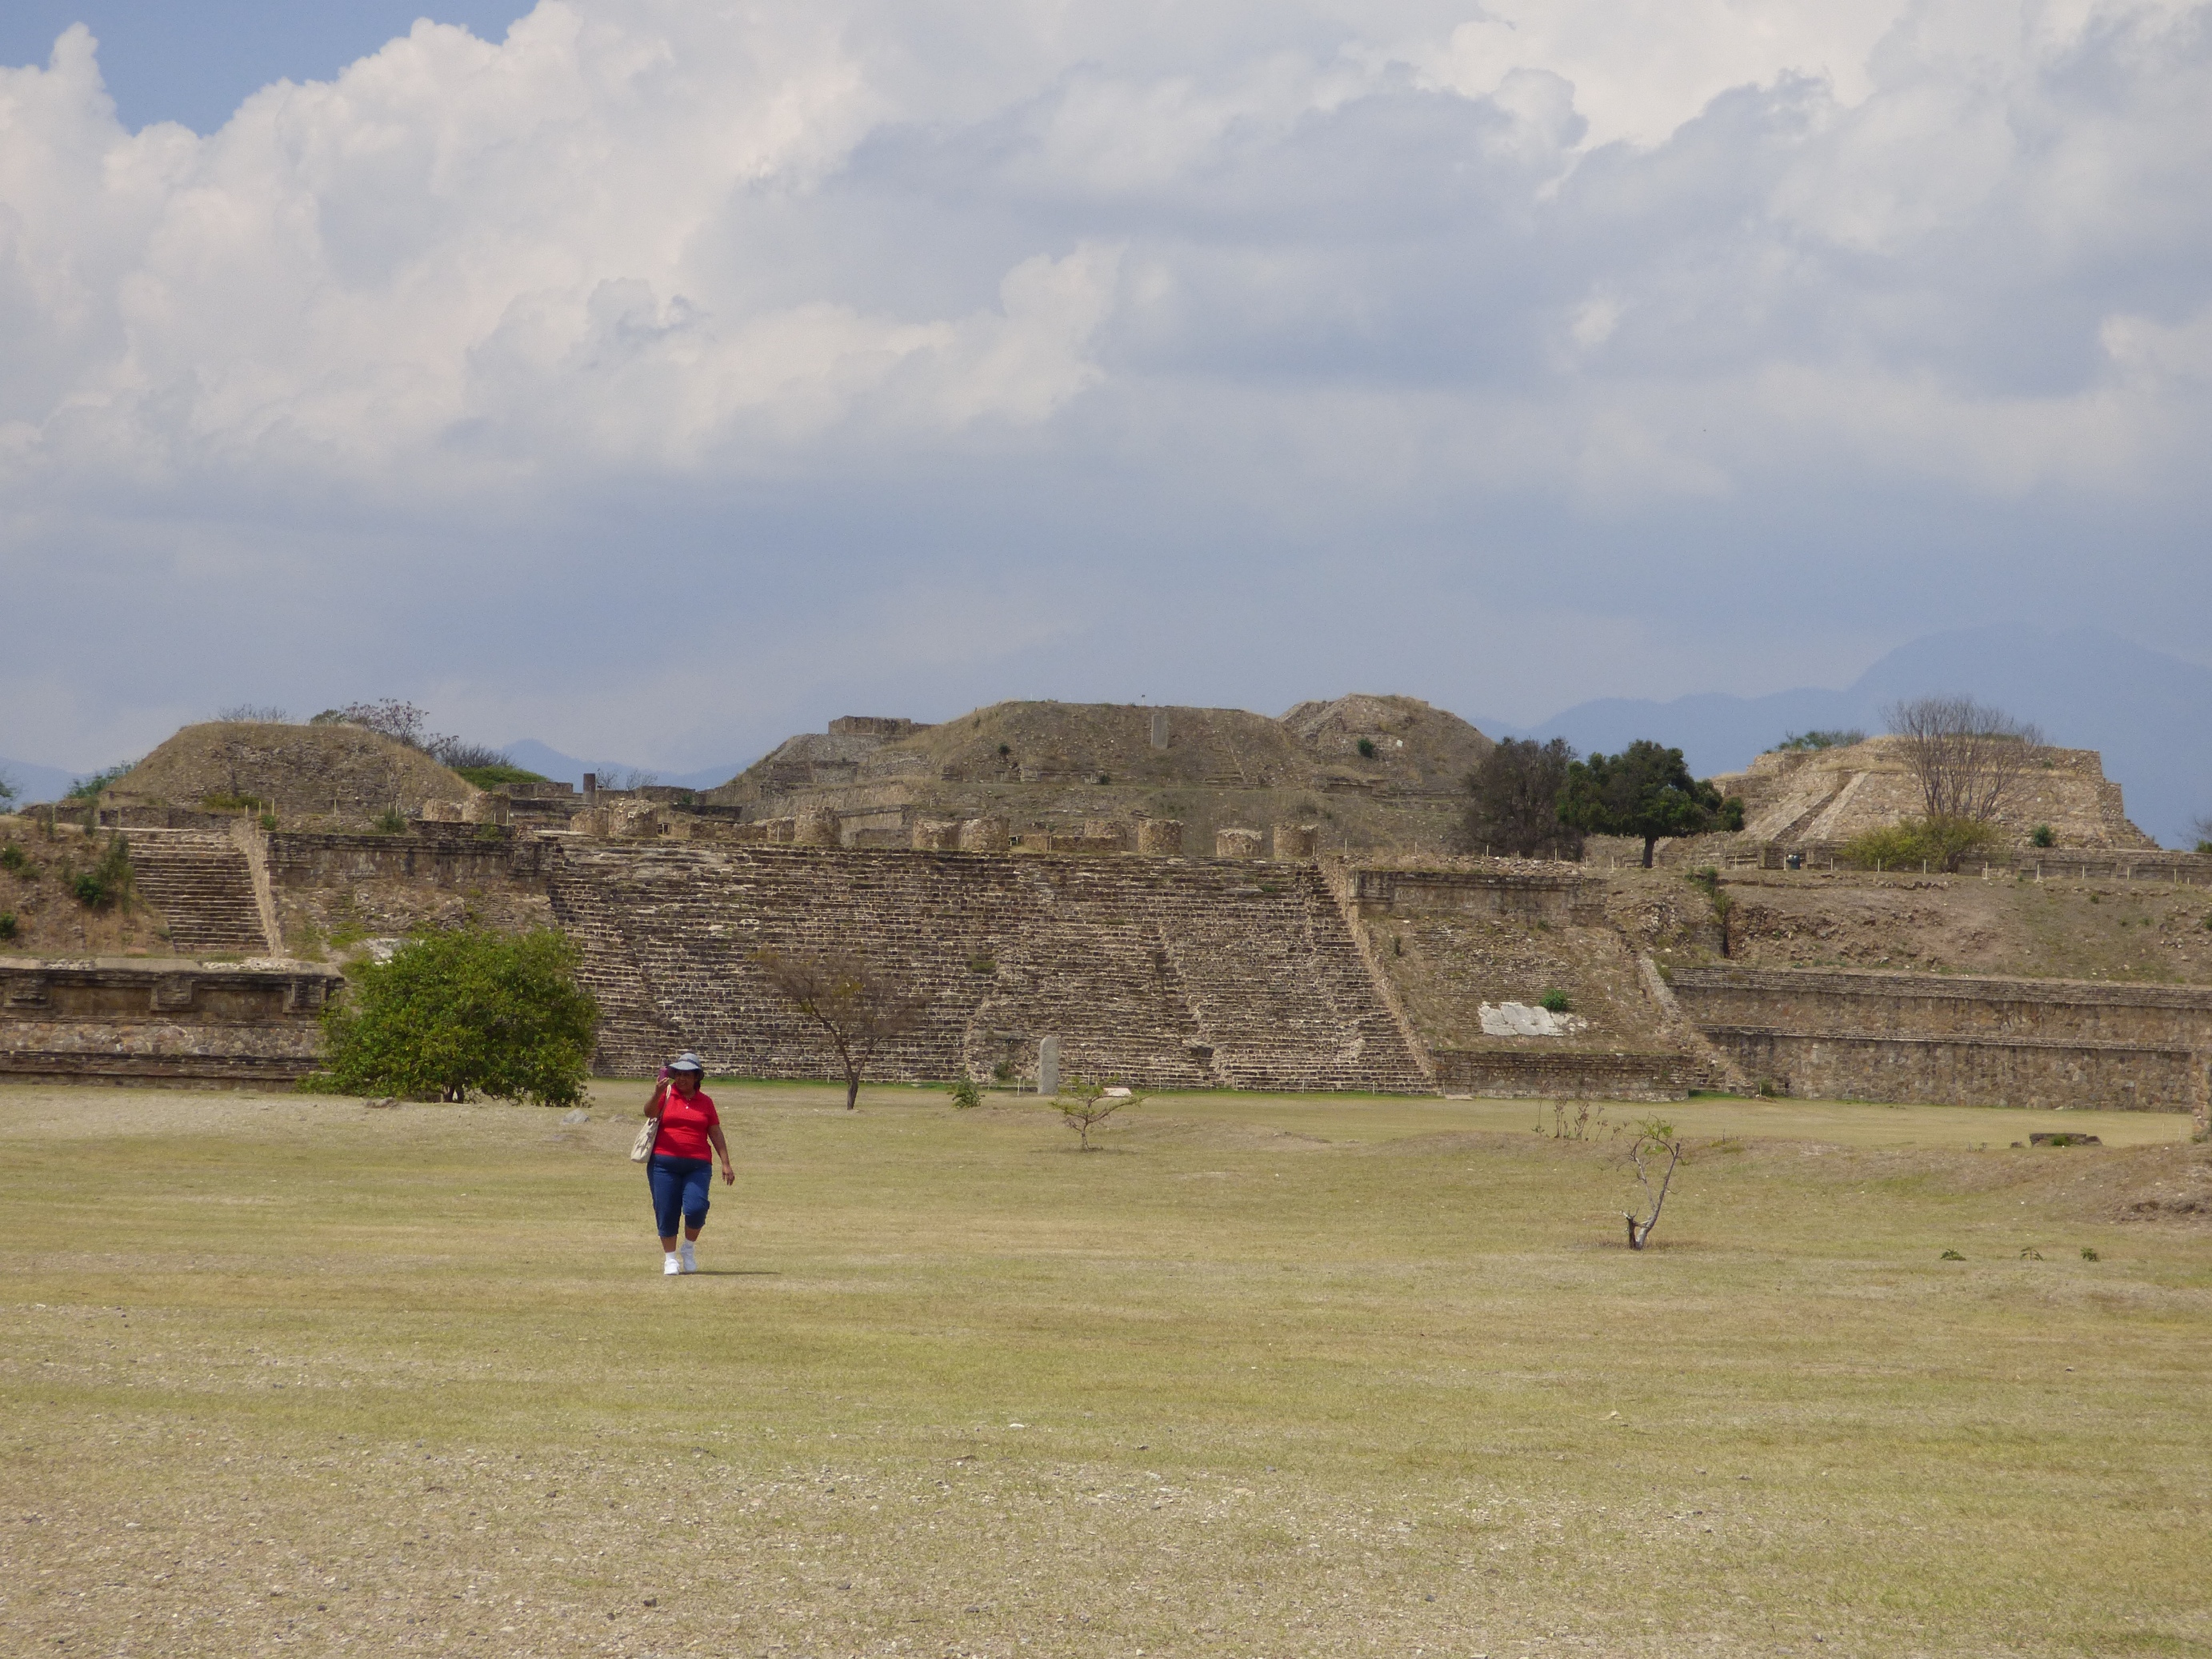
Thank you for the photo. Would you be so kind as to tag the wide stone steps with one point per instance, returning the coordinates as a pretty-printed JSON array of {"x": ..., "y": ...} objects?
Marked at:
[
  {"x": 202, "y": 887},
  {"x": 1158, "y": 973}
]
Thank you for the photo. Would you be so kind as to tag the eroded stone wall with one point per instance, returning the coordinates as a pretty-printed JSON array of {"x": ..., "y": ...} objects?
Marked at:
[
  {"x": 173, "y": 1022},
  {"x": 1966, "y": 1041},
  {"x": 1162, "y": 973}
]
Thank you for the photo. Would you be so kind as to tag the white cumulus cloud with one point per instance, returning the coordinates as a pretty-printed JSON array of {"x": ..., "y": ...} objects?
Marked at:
[{"x": 815, "y": 301}]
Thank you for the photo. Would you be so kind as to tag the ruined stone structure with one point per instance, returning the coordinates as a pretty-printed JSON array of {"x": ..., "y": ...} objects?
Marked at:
[
  {"x": 1280, "y": 962},
  {"x": 1450, "y": 941},
  {"x": 344, "y": 772},
  {"x": 1857, "y": 1036},
  {"x": 1824, "y": 797},
  {"x": 141, "y": 1021},
  {"x": 207, "y": 890},
  {"x": 1365, "y": 770},
  {"x": 1164, "y": 973}
]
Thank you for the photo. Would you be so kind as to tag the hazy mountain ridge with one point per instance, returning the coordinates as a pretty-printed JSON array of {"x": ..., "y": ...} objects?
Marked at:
[
  {"x": 33, "y": 782},
  {"x": 541, "y": 757},
  {"x": 2148, "y": 712}
]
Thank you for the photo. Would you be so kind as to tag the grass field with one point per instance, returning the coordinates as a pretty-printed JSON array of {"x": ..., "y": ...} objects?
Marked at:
[{"x": 1267, "y": 1377}]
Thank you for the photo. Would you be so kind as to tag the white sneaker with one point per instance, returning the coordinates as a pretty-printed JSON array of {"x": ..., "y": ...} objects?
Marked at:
[
  {"x": 690, "y": 1258},
  {"x": 670, "y": 1264}
]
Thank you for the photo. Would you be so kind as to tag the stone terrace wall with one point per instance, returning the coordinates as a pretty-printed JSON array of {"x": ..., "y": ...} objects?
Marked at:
[
  {"x": 1967, "y": 1041},
  {"x": 1450, "y": 938},
  {"x": 152, "y": 1021},
  {"x": 443, "y": 854},
  {"x": 1165, "y": 973},
  {"x": 1520, "y": 890}
]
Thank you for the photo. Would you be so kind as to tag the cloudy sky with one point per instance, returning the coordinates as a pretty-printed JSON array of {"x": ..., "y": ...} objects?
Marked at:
[{"x": 657, "y": 377}]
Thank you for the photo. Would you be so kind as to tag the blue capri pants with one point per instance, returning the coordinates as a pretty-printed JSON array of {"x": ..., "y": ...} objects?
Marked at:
[{"x": 679, "y": 1188}]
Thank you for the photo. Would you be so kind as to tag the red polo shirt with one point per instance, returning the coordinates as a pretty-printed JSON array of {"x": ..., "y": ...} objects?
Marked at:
[{"x": 683, "y": 1126}]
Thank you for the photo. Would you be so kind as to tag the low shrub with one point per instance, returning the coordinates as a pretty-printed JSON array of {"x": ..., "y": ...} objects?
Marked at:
[
  {"x": 1367, "y": 748},
  {"x": 91, "y": 789},
  {"x": 107, "y": 883},
  {"x": 1555, "y": 1002},
  {"x": 1937, "y": 843},
  {"x": 2042, "y": 835},
  {"x": 1816, "y": 740},
  {"x": 9, "y": 926},
  {"x": 391, "y": 822},
  {"x": 966, "y": 1094},
  {"x": 499, "y": 772},
  {"x": 16, "y": 860}
]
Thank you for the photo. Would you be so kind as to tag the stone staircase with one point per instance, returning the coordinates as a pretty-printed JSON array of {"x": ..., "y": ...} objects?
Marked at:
[
  {"x": 1162, "y": 973},
  {"x": 202, "y": 887}
]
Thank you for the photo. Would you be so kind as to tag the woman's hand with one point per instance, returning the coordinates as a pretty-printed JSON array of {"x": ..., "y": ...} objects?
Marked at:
[{"x": 729, "y": 1175}]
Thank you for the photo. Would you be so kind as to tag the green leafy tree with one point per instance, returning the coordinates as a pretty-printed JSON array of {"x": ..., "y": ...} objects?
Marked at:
[
  {"x": 1514, "y": 801},
  {"x": 1644, "y": 791},
  {"x": 467, "y": 1013}
]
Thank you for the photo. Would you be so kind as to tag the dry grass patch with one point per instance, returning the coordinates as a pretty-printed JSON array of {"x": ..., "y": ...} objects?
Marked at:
[{"x": 1283, "y": 1376}]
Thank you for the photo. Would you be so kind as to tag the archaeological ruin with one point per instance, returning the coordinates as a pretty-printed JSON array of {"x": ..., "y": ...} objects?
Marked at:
[{"x": 1182, "y": 898}]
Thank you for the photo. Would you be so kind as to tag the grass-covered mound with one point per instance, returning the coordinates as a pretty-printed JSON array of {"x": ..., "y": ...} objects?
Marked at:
[{"x": 306, "y": 770}]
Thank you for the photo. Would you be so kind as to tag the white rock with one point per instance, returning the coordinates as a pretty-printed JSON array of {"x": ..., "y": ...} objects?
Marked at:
[{"x": 1519, "y": 1020}]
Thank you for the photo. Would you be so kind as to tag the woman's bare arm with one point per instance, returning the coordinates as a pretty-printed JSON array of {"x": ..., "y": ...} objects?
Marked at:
[
  {"x": 654, "y": 1106},
  {"x": 714, "y": 1135}
]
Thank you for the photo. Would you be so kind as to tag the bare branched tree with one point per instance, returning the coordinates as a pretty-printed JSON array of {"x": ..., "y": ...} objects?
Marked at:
[
  {"x": 1655, "y": 1139},
  {"x": 1968, "y": 757},
  {"x": 2201, "y": 830},
  {"x": 254, "y": 714},
  {"x": 858, "y": 1005},
  {"x": 403, "y": 721},
  {"x": 460, "y": 753},
  {"x": 1514, "y": 801}
]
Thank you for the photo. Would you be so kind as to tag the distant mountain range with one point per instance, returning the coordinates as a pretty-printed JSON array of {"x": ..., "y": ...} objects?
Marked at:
[
  {"x": 543, "y": 758},
  {"x": 33, "y": 782},
  {"x": 2149, "y": 714}
]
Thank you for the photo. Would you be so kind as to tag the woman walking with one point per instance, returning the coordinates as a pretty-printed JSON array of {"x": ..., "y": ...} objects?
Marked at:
[{"x": 679, "y": 1169}]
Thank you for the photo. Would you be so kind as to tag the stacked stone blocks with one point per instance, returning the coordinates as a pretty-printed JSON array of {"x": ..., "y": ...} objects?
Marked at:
[{"x": 1159, "y": 973}]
